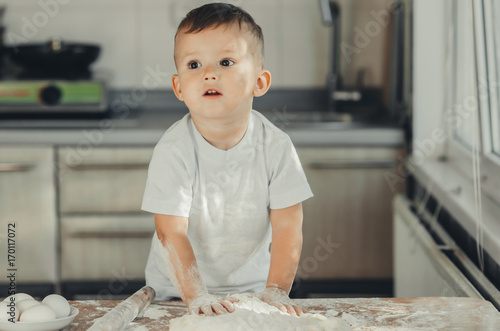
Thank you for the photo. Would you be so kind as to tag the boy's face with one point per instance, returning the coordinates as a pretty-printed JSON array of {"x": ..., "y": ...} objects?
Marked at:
[{"x": 219, "y": 72}]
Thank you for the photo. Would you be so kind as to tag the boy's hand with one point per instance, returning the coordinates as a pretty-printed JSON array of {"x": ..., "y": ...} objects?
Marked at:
[
  {"x": 209, "y": 305},
  {"x": 278, "y": 298}
]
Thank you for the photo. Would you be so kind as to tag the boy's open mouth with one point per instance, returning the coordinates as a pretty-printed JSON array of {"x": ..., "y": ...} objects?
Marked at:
[{"x": 211, "y": 92}]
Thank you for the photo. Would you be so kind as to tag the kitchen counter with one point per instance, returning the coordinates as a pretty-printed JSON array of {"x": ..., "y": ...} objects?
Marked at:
[
  {"x": 360, "y": 313},
  {"x": 147, "y": 127}
]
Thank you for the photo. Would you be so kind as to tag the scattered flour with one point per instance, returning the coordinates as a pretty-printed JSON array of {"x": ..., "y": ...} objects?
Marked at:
[
  {"x": 155, "y": 313},
  {"x": 91, "y": 302},
  {"x": 330, "y": 313},
  {"x": 252, "y": 314}
]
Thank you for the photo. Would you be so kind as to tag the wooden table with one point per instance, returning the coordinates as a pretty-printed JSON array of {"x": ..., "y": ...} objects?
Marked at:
[{"x": 361, "y": 313}]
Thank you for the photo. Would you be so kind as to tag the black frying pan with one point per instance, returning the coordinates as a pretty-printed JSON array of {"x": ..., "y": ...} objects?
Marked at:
[{"x": 54, "y": 56}]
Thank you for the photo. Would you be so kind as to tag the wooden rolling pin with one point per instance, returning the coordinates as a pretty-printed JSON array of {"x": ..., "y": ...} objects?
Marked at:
[{"x": 124, "y": 313}]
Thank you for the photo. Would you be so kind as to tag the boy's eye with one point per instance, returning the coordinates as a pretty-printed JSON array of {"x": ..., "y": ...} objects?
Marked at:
[
  {"x": 226, "y": 63},
  {"x": 194, "y": 65}
]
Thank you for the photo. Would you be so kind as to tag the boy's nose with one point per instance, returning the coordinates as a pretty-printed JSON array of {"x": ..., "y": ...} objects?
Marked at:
[{"x": 210, "y": 74}]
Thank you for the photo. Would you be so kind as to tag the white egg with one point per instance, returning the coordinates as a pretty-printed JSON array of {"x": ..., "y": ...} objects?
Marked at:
[
  {"x": 18, "y": 297},
  {"x": 25, "y": 304},
  {"x": 8, "y": 311},
  {"x": 59, "y": 304},
  {"x": 38, "y": 313}
]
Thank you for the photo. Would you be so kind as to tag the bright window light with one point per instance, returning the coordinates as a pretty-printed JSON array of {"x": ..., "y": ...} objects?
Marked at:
[{"x": 464, "y": 88}]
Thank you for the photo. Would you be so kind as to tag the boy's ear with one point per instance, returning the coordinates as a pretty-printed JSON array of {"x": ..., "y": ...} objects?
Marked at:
[
  {"x": 176, "y": 85},
  {"x": 263, "y": 83}
]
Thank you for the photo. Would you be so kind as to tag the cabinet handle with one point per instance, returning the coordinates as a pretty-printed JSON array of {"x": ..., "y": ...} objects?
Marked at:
[
  {"x": 130, "y": 166},
  {"x": 15, "y": 167},
  {"x": 112, "y": 234},
  {"x": 353, "y": 164}
]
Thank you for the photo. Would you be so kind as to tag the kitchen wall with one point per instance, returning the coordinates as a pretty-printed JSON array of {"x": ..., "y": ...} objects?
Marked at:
[{"x": 137, "y": 36}]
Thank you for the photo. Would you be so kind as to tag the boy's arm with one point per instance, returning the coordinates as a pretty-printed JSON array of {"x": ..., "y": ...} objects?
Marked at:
[
  {"x": 182, "y": 268},
  {"x": 285, "y": 254}
]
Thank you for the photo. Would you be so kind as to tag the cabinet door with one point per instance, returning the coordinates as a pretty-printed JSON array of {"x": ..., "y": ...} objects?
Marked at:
[
  {"x": 107, "y": 180},
  {"x": 101, "y": 247},
  {"x": 348, "y": 223},
  {"x": 422, "y": 269},
  {"x": 27, "y": 200},
  {"x": 103, "y": 230}
]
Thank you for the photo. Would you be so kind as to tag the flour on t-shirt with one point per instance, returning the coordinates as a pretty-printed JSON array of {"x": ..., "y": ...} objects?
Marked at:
[{"x": 226, "y": 196}]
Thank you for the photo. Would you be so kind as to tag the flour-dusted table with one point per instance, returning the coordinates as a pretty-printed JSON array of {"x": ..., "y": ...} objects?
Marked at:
[{"x": 360, "y": 313}]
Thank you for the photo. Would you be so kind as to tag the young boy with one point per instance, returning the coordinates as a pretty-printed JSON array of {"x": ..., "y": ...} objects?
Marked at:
[{"x": 223, "y": 181}]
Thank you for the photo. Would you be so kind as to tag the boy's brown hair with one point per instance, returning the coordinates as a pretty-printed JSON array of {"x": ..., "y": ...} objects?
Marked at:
[{"x": 215, "y": 14}]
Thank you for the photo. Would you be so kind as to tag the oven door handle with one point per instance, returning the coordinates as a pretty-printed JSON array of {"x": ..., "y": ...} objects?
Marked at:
[
  {"x": 109, "y": 166},
  {"x": 353, "y": 164},
  {"x": 107, "y": 234},
  {"x": 15, "y": 167}
]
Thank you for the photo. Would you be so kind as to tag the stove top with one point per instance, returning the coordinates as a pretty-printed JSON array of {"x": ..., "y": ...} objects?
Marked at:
[{"x": 52, "y": 96}]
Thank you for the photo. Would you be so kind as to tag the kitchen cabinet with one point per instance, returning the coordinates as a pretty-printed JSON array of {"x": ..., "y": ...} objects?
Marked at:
[
  {"x": 104, "y": 234},
  {"x": 347, "y": 225},
  {"x": 28, "y": 216},
  {"x": 101, "y": 247},
  {"x": 79, "y": 213},
  {"x": 422, "y": 266}
]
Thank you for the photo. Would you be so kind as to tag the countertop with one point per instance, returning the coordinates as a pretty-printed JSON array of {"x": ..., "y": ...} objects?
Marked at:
[
  {"x": 146, "y": 128},
  {"x": 430, "y": 313}
]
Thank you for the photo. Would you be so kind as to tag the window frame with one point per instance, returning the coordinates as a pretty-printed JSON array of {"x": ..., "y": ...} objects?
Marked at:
[
  {"x": 493, "y": 79},
  {"x": 456, "y": 151},
  {"x": 436, "y": 166},
  {"x": 457, "y": 100},
  {"x": 485, "y": 67}
]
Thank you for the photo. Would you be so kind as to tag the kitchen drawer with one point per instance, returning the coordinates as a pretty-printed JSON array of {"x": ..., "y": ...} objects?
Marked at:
[
  {"x": 28, "y": 217},
  {"x": 105, "y": 247},
  {"x": 348, "y": 223},
  {"x": 106, "y": 180}
]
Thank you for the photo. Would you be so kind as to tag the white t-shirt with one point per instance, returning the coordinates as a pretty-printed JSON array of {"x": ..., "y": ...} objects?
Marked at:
[{"x": 227, "y": 197}]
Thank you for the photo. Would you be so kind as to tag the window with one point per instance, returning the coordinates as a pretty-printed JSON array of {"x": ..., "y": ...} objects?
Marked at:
[
  {"x": 473, "y": 78},
  {"x": 487, "y": 62},
  {"x": 475, "y": 45},
  {"x": 456, "y": 67}
]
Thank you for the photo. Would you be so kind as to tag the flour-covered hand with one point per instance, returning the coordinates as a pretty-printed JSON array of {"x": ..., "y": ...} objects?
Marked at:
[
  {"x": 208, "y": 304},
  {"x": 279, "y": 298}
]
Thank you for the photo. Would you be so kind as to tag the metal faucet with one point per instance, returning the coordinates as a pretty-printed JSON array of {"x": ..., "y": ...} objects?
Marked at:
[{"x": 330, "y": 13}]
